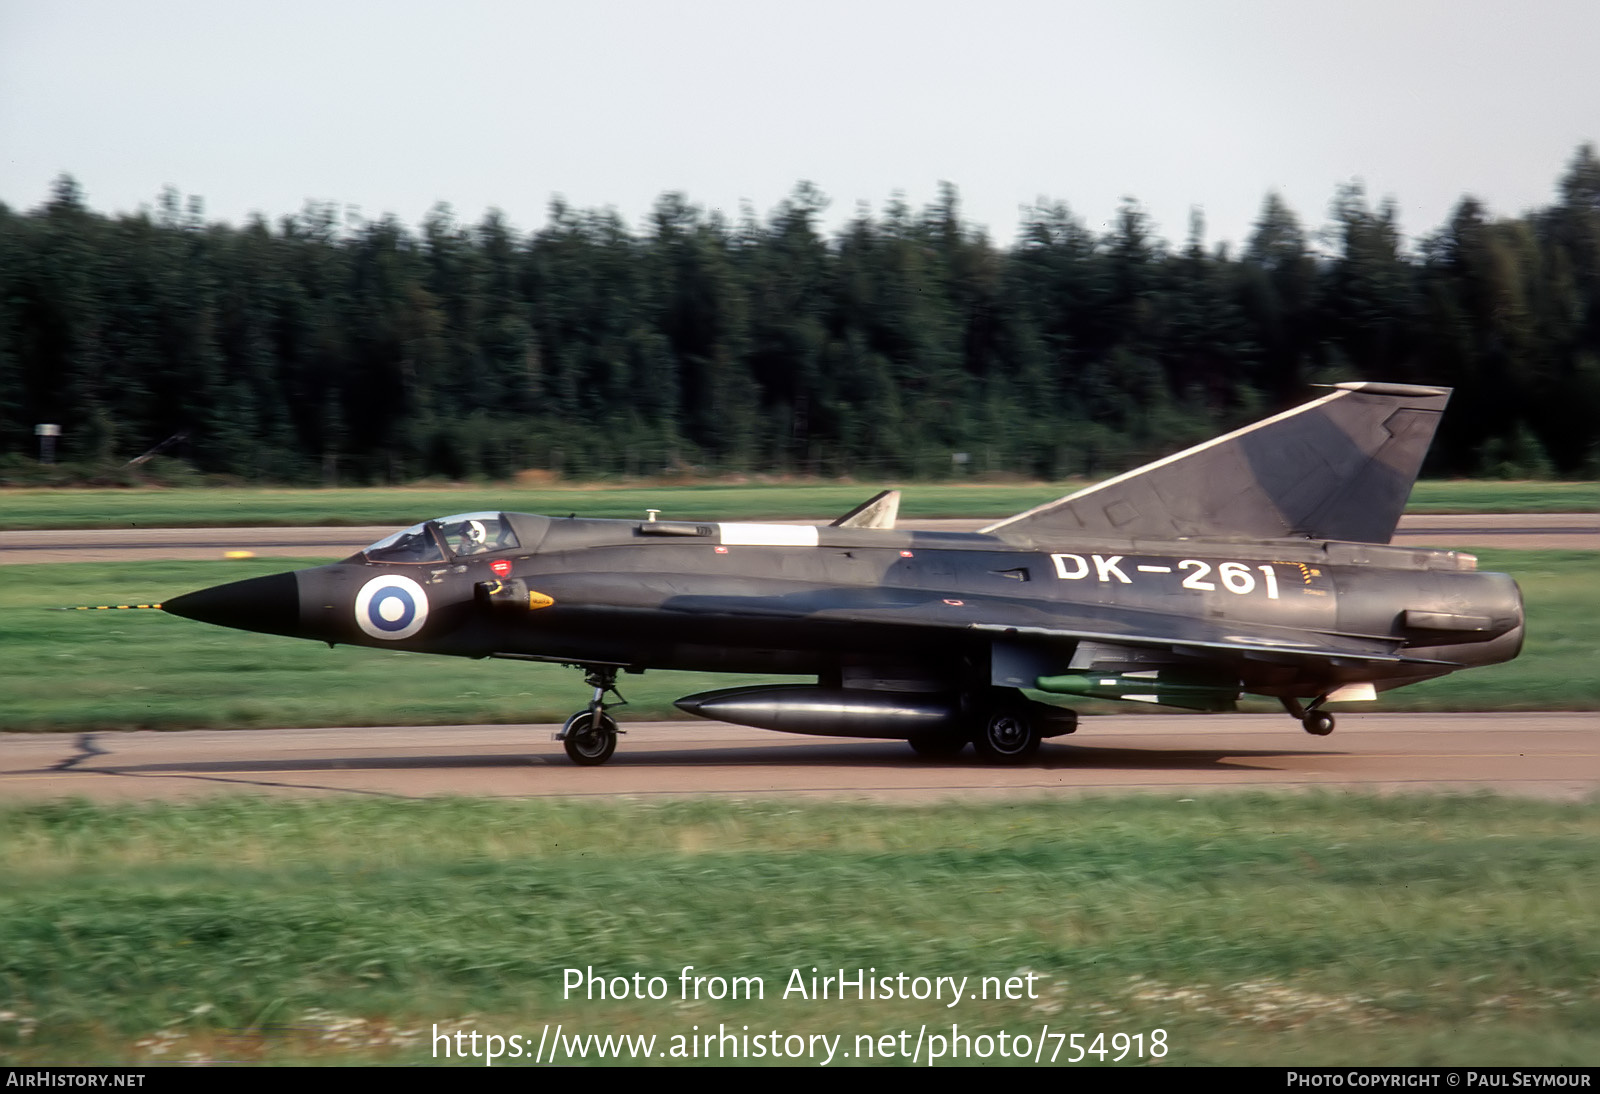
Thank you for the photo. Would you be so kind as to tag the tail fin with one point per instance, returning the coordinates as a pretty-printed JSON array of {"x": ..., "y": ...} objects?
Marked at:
[
  {"x": 878, "y": 511},
  {"x": 1340, "y": 467}
]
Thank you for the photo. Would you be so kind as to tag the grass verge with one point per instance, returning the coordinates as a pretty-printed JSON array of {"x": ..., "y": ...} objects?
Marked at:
[
  {"x": 191, "y": 507},
  {"x": 1303, "y": 929}
]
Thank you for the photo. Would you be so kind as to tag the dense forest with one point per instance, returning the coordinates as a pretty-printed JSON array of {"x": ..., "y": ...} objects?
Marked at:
[{"x": 905, "y": 345}]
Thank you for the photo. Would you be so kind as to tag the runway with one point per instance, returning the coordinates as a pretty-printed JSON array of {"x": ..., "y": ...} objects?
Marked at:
[
  {"x": 1547, "y": 756},
  {"x": 1514, "y": 530}
]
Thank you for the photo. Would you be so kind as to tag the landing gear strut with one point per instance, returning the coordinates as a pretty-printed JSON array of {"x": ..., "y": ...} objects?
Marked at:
[
  {"x": 1318, "y": 723},
  {"x": 590, "y": 735}
]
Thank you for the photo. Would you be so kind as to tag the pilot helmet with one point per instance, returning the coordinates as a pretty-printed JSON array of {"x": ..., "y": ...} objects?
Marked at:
[{"x": 473, "y": 532}]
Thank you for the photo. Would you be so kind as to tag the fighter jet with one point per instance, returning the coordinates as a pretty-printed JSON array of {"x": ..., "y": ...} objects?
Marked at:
[{"x": 1256, "y": 563}]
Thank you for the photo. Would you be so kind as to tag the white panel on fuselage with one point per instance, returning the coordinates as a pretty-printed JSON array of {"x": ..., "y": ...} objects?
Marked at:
[{"x": 768, "y": 535}]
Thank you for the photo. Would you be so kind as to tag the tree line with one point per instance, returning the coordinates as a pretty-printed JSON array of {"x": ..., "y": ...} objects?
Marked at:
[{"x": 906, "y": 344}]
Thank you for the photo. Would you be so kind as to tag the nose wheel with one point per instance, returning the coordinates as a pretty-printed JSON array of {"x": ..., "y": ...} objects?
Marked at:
[{"x": 590, "y": 735}]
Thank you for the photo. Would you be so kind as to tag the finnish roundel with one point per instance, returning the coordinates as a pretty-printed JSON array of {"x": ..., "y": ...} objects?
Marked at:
[{"x": 391, "y": 607}]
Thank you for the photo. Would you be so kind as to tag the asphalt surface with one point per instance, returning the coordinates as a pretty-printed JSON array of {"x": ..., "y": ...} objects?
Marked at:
[
  {"x": 1514, "y": 530},
  {"x": 1548, "y": 756}
]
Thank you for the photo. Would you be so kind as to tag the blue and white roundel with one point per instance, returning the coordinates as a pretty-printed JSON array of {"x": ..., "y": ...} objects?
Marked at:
[{"x": 391, "y": 607}]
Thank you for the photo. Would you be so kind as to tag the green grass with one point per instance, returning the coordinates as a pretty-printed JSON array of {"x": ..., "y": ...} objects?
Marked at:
[
  {"x": 1296, "y": 929},
  {"x": 1557, "y": 667},
  {"x": 1469, "y": 496},
  {"x": 149, "y": 670},
  {"x": 149, "y": 508}
]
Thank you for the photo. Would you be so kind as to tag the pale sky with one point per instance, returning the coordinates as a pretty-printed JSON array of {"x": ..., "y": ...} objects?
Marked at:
[{"x": 393, "y": 106}]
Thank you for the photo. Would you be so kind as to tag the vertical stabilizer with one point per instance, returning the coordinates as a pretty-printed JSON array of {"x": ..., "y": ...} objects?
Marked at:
[{"x": 1340, "y": 467}]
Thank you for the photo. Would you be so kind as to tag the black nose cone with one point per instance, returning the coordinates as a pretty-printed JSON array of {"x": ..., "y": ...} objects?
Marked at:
[{"x": 267, "y": 604}]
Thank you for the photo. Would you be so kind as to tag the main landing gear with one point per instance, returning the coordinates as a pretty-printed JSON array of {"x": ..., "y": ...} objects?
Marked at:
[
  {"x": 1003, "y": 726},
  {"x": 1004, "y": 733},
  {"x": 1318, "y": 723},
  {"x": 590, "y": 735}
]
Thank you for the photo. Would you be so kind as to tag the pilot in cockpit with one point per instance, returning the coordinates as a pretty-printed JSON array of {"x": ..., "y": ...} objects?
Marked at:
[
  {"x": 466, "y": 534},
  {"x": 473, "y": 538}
]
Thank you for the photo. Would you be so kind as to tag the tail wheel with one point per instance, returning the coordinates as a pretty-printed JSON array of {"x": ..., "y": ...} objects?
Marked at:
[
  {"x": 1318, "y": 723},
  {"x": 587, "y": 745},
  {"x": 1006, "y": 735}
]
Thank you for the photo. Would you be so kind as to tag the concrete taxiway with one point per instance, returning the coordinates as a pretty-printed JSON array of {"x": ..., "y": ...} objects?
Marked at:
[{"x": 1550, "y": 756}]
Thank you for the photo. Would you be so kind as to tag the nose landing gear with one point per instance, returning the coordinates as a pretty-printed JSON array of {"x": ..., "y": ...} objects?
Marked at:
[{"x": 590, "y": 735}]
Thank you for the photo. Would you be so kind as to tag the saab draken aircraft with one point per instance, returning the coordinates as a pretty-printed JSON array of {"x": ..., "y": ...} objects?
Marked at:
[{"x": 1256, "y": 563}]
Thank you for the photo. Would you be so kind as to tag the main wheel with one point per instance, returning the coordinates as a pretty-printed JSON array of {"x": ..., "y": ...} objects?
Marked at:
[
  {"x": 1006, "y": 735},
  {"x": 1319, "y": 723},
  {"x": 937, "y": 744},
  {"x": 585, "y": 744}
]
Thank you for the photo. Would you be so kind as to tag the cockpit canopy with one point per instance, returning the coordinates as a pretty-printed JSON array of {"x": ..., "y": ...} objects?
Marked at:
[{"x": 446, "y": 538}]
